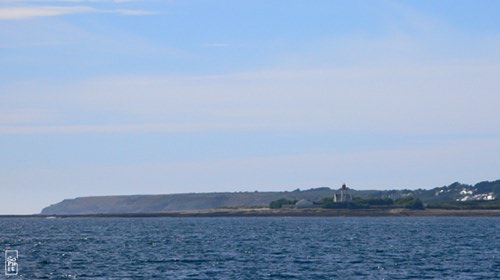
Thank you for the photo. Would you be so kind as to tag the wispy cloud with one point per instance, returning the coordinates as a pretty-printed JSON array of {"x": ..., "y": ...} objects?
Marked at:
[
  {"x": 412, "y": 99},
  {"x": 130, "y": 12},
  {"x": 12, "y": 45},
  {"x": 45, "y": 11},
  {"x": 16, "y": 117},
  {"x": 71, "y": 1},
  {"x": 22, "y": 12},
  {"x": 215, "y": 45},
  {"x": 104, "y": 128}
]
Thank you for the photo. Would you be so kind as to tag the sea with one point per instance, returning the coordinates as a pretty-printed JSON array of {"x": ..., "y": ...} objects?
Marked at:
[{"x": 253, "y": 248}]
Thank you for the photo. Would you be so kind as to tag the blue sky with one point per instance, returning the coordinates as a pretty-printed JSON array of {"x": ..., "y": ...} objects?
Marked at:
[{"x": 102, "y": 97}]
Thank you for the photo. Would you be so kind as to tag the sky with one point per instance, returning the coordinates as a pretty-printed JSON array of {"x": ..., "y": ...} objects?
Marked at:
[{"x": 118, "y": 97}]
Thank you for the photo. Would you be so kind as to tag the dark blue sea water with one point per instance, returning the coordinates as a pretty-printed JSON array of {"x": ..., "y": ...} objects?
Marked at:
[{"x": 254, "y": 248}]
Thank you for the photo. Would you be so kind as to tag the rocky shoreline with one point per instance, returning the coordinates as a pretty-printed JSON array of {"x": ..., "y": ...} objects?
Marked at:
[{"x": 266, "y": 212}]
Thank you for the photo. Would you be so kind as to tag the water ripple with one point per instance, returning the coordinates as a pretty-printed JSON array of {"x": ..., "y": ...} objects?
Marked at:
[{"x": 255, "y": 248}]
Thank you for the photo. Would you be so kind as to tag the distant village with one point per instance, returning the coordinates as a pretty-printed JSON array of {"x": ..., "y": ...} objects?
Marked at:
[{"x": 343, "y": 198}]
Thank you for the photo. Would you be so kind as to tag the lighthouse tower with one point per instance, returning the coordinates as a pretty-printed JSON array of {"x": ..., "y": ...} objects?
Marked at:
[{"x": 342, "y": 195}]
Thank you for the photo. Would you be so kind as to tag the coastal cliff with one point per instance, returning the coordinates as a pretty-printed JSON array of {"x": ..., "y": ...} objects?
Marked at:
[
  {"x": 175, "y": 202},
  {"x": 456, "y": 192}
]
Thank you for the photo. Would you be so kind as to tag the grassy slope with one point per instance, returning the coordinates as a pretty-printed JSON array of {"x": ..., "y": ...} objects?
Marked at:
[{"x": 198, "y": 201}]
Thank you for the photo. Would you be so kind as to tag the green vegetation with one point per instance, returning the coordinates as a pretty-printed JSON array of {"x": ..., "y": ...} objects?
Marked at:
[
  {"x": 357, "y": 203},
  {"x": 466, "y": 205},
  {"x": 409, "y": 202},
  {"x": 374, "y": 202},
  {"x": 276, "y": 204},
  {"x": 344, "y": 205}
]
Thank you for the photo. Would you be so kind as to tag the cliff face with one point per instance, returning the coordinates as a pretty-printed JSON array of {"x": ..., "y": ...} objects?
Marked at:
[
  {"x": 175, "y": 202},
  {"x": 200, "y": 201}
]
